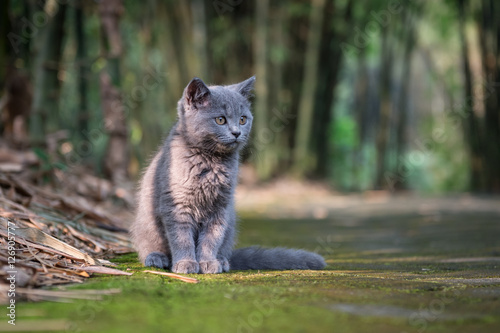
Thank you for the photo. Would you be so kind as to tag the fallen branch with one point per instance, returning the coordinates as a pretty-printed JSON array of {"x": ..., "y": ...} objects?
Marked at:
[{"x": 174, "y": 276}]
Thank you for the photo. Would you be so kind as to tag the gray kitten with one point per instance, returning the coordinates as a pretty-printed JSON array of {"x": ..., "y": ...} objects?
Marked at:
[{"x": 185, "y": 218}]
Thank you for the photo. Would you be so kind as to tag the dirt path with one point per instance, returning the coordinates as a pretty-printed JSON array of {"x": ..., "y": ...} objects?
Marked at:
[{"x": 290, "y": 199}]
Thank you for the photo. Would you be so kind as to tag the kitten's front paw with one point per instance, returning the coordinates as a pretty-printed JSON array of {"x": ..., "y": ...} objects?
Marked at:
[
  {"x": 210, "y": 267},
  {"x": 186, "y": 267},
  {"x": 157, "y": 259},
  {"x": 224, "y": 263}
]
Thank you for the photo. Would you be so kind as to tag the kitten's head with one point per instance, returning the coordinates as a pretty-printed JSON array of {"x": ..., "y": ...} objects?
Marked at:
[{"x": 216, "y": 118}]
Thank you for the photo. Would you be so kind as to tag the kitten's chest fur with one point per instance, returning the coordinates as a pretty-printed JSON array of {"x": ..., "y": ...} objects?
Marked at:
[{"x": 201, "y": 182}]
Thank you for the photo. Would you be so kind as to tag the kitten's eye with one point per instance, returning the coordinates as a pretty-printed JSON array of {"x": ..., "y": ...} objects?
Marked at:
[
  {"x": 243, "y": 120},
  {"x": 220, "y": 120}
]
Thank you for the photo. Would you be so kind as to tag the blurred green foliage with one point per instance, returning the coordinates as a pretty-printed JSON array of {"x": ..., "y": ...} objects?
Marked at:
[{"x": 161, "y": 53}]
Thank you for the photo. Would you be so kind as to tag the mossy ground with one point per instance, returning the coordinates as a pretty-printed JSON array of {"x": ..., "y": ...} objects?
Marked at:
[{"x": 397, "y": 273}]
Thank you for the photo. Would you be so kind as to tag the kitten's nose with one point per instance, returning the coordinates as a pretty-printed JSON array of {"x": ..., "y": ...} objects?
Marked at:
[{"x": 236, "y": 133}]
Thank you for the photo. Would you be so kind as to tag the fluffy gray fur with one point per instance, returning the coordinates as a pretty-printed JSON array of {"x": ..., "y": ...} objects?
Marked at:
[{"x": 185, "y": 219}]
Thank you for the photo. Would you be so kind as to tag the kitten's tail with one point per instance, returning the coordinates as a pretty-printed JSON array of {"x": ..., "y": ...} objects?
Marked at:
[{"x": 278, "y": 258}]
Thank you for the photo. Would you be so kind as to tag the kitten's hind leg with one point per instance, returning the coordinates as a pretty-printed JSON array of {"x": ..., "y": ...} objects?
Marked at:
[
  {"x": 147, "y": 233},
  {"x": 226, "y": 249},
  {"x": 227, "y": 245},
  {"x": 224, "y": 262},
  {"x": 157, "y": 259}
]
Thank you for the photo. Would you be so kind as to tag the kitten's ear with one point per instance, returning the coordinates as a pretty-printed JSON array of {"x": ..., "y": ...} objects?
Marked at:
[
  {"x": 197, "y": 93},
  {"x": 245, "y": 88}
]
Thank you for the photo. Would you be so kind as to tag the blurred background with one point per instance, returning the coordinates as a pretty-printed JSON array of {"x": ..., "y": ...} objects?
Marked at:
[
  {"x": 376, "y": 143},
  {"x": 359, "y": 95}
]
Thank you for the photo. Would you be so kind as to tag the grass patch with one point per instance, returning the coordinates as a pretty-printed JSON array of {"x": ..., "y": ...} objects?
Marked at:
[{"x": 396, "y": 291}]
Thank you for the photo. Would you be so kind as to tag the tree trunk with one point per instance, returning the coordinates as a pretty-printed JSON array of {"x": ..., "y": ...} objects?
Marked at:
[
  {"x": 200, "y": 40},
  {"x": 5, "y": 48},
  {"x": 303, "y": 161},
  {"x": 361, "y": 109},
  {"x": 174, "y": 25},
  {"x": 174, "y": 79},
  {"x": 470, "y": 121},
  {"x": 82, "y": 69},
  {"x": 292, "y": 78},
  {"x": 116, "y": 160},
  {"x": 402, "y": 124},
  {"x": 263, "y": 139},
  {"x": 330, "y": 60},
  {"x": 280, "y": 153},
  {"x": 489, "y": 37},
  {"x": 5, "y": 59},
  {"x": 385, "y": 107},
  {"x": 45, "y": 108}
]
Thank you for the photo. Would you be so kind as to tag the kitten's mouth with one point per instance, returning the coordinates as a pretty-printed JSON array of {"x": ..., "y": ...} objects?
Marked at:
[
  {"x": 228, "y": 146},
  {"x": 232, "y": 144}
]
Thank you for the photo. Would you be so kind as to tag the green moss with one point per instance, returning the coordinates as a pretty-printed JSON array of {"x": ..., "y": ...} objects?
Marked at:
[{"x": 370, "y": 284}]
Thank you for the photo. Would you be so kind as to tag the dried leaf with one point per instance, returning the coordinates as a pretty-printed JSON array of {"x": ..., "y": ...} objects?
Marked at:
[
  {"x": 40, "y": 237},
  {"x": 103, "y": 270}
]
